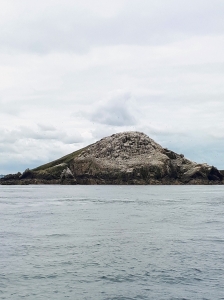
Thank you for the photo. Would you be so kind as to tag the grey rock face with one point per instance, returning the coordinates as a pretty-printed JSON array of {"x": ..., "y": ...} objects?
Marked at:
[
  {"x": 133, "y": 157},
  {"x": 67, "y": 177},
  {"x": 123, "y": 158},
  {"x": 66, "y": 173}
]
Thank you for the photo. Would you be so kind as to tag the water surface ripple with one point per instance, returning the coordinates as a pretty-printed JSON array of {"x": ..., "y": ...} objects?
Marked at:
[{"x": 112, "y": 242}]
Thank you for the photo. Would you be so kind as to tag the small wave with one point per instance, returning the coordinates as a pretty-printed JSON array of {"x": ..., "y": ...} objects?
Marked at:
[
  {"x": 51, "y": 276},
  {"x": 119, "y": 278},
  {"x": 123, "y": 298},
  {"x": 197, "y": 270},
  {"x": 56, "y": 235},
  {"x": 38, "y": 277},
  {"x": 66, "y": 263}
]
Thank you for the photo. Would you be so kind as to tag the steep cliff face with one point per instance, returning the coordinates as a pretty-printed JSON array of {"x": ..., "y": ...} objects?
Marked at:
[{"x": 123, "y": 158}]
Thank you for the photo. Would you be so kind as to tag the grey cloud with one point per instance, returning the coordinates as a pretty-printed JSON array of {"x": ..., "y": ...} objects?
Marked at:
[
  {"x": 23, "y": 133},
  {"x": 72, "y": 139},
  {"x": 18, "y": 166},
  {"x": 20, "y": 155},
  {"x": 67, "y": 28},
  {"x": 10, "y": 136},
  {"x": 175, "y": 89},
  {"x": 162, "y": 131},
  {"x": 100, "y": 131},
  {"x": 9, "y": 108},
  {"x": 46, "y": 127},
  {"x": 24, "y": 148},
  {"x": 115, "y": 112}
]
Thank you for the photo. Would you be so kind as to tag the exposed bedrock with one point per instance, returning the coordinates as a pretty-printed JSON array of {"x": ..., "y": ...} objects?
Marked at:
[{"x": 123, "y": 158}]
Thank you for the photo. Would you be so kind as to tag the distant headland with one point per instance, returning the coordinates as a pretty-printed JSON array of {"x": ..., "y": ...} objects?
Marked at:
[{"x": 123, "y": 158}]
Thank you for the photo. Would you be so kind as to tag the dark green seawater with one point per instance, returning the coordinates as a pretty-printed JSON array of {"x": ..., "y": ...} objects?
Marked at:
[{"x": 112, "y": 242}]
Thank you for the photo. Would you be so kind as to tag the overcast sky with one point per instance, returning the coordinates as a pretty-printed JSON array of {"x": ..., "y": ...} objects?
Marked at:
[{"x": 72, "y": 72}]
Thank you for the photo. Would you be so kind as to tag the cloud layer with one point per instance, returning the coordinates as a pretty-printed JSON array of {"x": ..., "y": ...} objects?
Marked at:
[{"x": 72, "y": 72}]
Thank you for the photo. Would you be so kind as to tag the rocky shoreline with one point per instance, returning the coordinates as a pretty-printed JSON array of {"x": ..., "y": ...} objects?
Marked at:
[{"x": 123, "y": 158}]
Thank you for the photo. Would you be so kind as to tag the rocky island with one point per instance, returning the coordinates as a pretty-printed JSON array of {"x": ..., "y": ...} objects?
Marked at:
[{"x": 123, "y": 158}]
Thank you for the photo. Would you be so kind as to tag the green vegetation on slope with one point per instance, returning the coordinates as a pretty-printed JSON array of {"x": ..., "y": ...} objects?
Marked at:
[{"x": 65, "y": 159}]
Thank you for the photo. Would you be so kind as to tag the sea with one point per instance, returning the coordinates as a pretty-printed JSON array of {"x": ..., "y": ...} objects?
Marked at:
[{"x": 111, "y": 242}]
